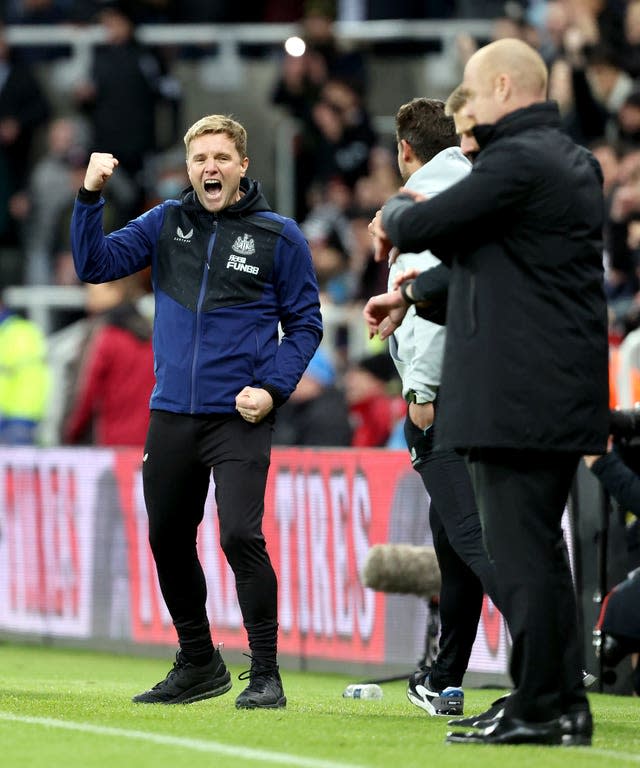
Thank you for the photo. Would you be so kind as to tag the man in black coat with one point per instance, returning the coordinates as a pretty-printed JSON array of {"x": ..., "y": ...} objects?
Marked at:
[{"x": 524, "y": 384}]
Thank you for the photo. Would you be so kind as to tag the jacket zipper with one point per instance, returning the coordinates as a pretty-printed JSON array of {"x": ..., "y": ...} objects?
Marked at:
[{"x": 198, "y": 329}]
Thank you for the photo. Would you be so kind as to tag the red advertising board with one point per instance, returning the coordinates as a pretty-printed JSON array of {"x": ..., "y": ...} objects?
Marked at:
[{"x": 75, "y": 560}]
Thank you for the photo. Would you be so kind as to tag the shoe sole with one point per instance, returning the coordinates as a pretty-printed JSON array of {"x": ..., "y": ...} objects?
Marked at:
[
  {"x": 575, "y": 740},
  {"x": 282, "y": 702},
  {"x": 190, "y": 696},
  {"x": 430, "y": 709},
  {"x": 472, "y": 737}
]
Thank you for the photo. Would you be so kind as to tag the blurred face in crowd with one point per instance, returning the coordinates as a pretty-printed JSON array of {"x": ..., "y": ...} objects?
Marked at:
[
  {"x": 118, "y": 27},
  {"x": 629, "y": 119},
  {"x": 556, "y": 20},
  {"x": 215, "y": 168},
  {"x": 360, "y": 384},
  {"x": 103, "y": 296},
  {"x": 629, "y": 167}
]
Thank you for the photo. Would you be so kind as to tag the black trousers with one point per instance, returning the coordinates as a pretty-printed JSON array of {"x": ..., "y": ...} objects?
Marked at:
[
  {"x": 180, "y": 452},
  {"x": 457, "y": 539},
  {"x": 521, "y": 497}
]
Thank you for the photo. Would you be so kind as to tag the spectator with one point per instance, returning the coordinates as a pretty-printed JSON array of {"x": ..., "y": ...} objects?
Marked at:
[
  {"x": 592, "y": 90},
  {"x": 629, "y": 56},
  {"x": 124, "y": 109},
  {"x": 319, "y": 35},
  {"x": 375, "y": 403},
  {"x": 51, "y": 189},
  {"x": 344, "y": 136},
  {"x": 552, "y": 22},
  {"x": 169, "y": 174},
  {"x": 115, "y": 378},
  {"x": 23, "y": 109},
  {"x": 622, "y": 241},
  {"x": 606, "y": 154},
  {"x": 47, "y": 204},
  {"x": 628, "y": 120},
  {"x": 317, "y": 412},
  {"x": 299, "y": 90},
  {"x": 24, "y": 379},
  {"x": 330, "y": 261},
  {"x": 368, "y": 275}
]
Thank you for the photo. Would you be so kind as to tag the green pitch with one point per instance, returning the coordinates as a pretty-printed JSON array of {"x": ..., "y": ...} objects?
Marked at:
[{"x": 71, "y": 709}]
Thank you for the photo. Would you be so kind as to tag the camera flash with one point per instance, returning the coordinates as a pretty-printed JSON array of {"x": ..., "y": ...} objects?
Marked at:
[{"x": 295, "y": 46}]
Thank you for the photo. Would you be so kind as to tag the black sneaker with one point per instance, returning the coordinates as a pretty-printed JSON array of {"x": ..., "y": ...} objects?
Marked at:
[
  {"x": 483, "y": 719},
  {"x": 264, "y": 690},
  {"x": 187, "y": 683},
  {"x": 449, "y": 701}
]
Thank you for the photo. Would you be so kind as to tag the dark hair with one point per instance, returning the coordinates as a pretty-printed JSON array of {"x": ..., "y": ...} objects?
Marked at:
[
  {"x": 423, "y": 124},
  {"x": 601, "y": 55}
]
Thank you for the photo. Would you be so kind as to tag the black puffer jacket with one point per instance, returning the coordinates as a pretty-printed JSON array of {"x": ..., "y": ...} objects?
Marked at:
[{"x": 526, "y": 353}]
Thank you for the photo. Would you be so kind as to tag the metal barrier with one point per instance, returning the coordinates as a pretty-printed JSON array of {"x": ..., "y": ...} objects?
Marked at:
[
  {"x": 40, "y": 302},
  {"x": 343, "y": 325},
  {"x": 228, "y": 37}
]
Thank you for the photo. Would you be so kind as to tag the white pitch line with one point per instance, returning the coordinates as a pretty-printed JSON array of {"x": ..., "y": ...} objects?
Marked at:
[{"x": 198, "y": 745}]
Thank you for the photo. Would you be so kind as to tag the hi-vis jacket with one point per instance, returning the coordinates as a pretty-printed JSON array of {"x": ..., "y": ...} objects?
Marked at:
[{"x": 223, "y": 283}]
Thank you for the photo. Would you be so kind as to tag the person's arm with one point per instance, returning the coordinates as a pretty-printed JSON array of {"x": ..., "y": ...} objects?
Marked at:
[
  {"x": 296, "y": 288},
  {"x": 385, "y": 312},
  {"x": 99, "y": 258},
  {"x": 430, "y": 287},
  {"x": 621, "y": 482},
  {"x": 474, "y": 208},
  {"x": 592, "y": 116}
]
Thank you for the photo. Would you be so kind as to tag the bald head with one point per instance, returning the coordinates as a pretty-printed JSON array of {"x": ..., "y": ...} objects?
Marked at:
[{"x": 504, "y": 76}]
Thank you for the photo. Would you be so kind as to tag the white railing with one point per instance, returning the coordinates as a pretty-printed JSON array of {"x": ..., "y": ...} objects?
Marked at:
[
  {"x": 82, "y": 37},
  {"x": 40, "y": 302}
]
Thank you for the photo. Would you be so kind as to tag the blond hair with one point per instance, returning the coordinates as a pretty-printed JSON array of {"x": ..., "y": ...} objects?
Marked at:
[
  {"x": 456, "y": 100},
  {"x": 218, "y": 124}
]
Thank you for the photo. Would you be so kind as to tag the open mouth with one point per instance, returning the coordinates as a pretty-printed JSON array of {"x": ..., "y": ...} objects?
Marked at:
[{"x": 213, "y": 188}]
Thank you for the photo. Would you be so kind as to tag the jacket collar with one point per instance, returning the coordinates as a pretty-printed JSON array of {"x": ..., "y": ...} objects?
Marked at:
[
  {"x": 545, "y": 113},
  {"x": 252, "y": 200}
]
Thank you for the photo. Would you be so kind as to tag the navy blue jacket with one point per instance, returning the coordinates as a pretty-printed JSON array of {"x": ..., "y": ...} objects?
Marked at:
[{"x": 222, "y": 284}]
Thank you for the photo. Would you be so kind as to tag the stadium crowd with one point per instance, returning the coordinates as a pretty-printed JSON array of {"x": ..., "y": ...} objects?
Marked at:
[{"x": 344, "y": 168}]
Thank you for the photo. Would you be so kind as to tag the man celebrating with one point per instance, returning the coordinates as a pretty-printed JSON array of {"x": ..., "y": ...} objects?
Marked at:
[
  {"x": 226, "y": 271},
  {"x": 524, "y": 384}
]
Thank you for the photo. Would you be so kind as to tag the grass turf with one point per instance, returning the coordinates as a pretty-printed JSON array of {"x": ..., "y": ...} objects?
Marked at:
[{"x": 72, "y": 708}]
